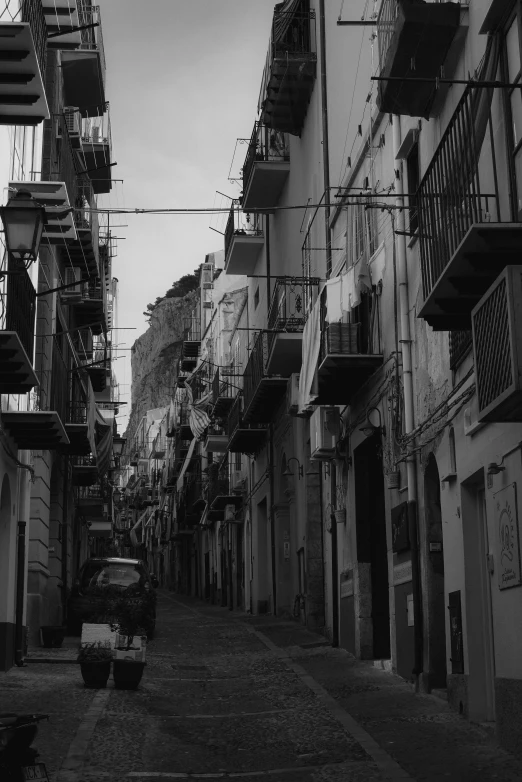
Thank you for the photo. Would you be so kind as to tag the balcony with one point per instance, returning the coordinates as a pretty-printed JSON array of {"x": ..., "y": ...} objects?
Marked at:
[
  {"x": 63, "y": 19},
  {"x": 244, "y": 241},
  {"x": 85, "y": 473},
  {"x": 93, "y": 502},
  {"x": 292, "y": 299},
  {"x": 216, "y": 440},
  {"x": 56, "y": 199},
  {"x": 266, "y": 168},
  {"x": 346, "y": 360},
  {"x": 84, "y": 252},
  {"x": 77, "y": 429},
  {"x": 159, "y": 447},
  {"x": 467, "y": 226},
  {"x": 17, "y": 375},
  {"x": 184, "y": 431},
  {"x": 95, "y": 152},
  {"x": 22, "y": 65},
  {"x": 192, "y": 340},
  {"x": 290, "y": 70},
  {"x": 224, "y": 391},
  {"x": 97, "y": 368},
  {"x": 36, "y": 431},
  {"x": 219, "y": 495},
  {"x": 92, "y": 310},
  {"x": 414, "y": 40},
  {"x": 244, "y": 437},
  {"x": 262, "y": 391},
  {"x": 83, "y": 69}
]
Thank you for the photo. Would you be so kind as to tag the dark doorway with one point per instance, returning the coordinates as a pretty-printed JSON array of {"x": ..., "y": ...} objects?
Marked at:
[
  {"x": 207, "y": 576},
  {"x": 240, "y": 566},
  {"x": 435, "y": 577},
  {"x": 371, "y": 540}
]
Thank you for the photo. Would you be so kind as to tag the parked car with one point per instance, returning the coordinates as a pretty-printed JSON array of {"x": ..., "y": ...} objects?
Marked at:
[{"x": 131, "y": 576}]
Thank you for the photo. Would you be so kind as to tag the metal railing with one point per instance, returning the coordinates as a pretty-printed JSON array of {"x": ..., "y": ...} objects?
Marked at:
[
  {"x": 241, "y": 224},
  {"x": 77, "y": 412},
  {"x": 292, "y": 300},
  {"x": 255, "y": 369},
  {"x": 460, "y": 343},
  {"x": 235, "y": 416},
  {"x": 60, "y": 379},
  {"x": 386, "y": 22},
  {"x": 192, "y": 329},
  {"x": 92, "y": 38},
  {"x": 293, "y": 34},
  {"x": 32, "y": 12},
  {"x": 21, "y": 307},
  {"x": 265, "y": 145},
  {"x": 223, "y": 387},
  {"x": 461, "y": 184}
]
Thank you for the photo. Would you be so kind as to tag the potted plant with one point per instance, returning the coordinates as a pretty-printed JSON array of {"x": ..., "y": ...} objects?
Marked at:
[
  {"x": 52, "y": 636},
  {"x": 95, "y": 663},
  {"x": 128, "y": 621}
]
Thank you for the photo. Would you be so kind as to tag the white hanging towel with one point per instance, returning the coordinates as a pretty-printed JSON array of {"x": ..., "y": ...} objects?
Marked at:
[
  {"x": 334, "y": 310},
  {"x": 311, "y": 346}
]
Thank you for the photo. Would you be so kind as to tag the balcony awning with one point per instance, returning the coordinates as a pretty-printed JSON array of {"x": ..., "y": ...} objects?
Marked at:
[
  {"x": 62, "y": 18},
  {"x": 22, "y": 92},
  {"x": 35, "y": 430},
  {"x": 56, "y": 200},
  {"x": 83, "y": 81}
]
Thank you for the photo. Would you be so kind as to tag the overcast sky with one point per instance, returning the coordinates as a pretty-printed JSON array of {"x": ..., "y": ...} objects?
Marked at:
[{"x": 183, "y": 79}]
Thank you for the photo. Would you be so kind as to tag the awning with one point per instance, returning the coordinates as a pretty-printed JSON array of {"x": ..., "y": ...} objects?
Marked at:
[
  {"x": 186, "y": 463},
  {"x": 132, "y": 534},
  {"x": 101, "y": 529}
]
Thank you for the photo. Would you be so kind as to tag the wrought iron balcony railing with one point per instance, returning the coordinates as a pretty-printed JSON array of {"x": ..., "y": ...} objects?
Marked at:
[
  {"x": 224, "y": 386},
  {"x": 292, "y": 300},
  {"x": 265, "y": 145},
  {"x": 21, "y": 307},
  {"x": 192, "y": 329},
  {"x": 32, "y": 12},
  {"x": 92, "y": 37},
  {"x": 462, "y": 199}
]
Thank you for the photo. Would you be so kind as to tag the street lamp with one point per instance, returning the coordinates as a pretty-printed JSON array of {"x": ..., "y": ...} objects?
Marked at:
[
  {"x": 118, "y": 444},
  {"x": 24, "y": 220}
]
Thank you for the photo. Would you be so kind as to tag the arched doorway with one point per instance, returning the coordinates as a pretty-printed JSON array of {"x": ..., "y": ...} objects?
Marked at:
[
  {"x": 7, "y": 577},
  {"x": 436, "y": 647}
]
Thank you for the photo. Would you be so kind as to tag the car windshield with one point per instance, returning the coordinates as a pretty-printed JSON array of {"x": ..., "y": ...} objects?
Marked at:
[{"x": 123, "y": 574}]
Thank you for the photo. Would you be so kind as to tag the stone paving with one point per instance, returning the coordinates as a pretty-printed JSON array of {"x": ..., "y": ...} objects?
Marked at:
[{"x": 225, "y": 695}]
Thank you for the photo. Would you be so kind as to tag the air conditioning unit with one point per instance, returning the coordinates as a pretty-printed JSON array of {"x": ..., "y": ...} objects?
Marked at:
[
  {"x": 207, "y": 286},
  {"x": 73, "y": 121},
  {"x": 323, "y": 433},
  {"x": 292, "y": 394},
  {"x": 207, "y": 305},
  {"x": 207, "y": 267},
  {"x": 73, "y": 274},
  {"x": 207, "y": 277},
  {"x": 497, "y": 325}
]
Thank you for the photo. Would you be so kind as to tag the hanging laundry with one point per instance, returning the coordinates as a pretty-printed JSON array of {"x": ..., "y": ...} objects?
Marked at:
[
  {"x": 334, "y": 310},
  {"x": 311, "y": 346}
]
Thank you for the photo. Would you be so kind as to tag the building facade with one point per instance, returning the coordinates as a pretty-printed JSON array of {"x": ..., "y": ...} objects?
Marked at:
[{"x": 58, "y": 391}]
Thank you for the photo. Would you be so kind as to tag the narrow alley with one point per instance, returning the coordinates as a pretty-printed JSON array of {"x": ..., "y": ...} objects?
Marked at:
[{"x": 226, "y": 695}]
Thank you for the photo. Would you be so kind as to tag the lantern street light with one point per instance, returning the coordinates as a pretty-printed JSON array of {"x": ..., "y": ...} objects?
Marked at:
[
  {"x": 118, "y": 444},
  {"x": 24, "y": 220}
]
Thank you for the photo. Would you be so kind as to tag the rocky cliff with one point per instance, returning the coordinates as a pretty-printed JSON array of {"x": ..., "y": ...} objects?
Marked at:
[{"x": 154, "y": 357}]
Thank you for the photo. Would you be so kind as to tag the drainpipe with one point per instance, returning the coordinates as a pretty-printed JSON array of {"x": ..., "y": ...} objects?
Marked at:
[
  {"x": 326, "y": 146},
  {"x": 272, "y": 519},
  {"x": 407, "y": 381},
  {"x": 335, "y": 575},
  {"x": 20, "y": 582},
  {"x": 65, "y": 533}
]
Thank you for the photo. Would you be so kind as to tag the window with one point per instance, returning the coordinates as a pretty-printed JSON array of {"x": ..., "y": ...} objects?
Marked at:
[
  {"x": 362, "y": 233},
  {"x": 412, "y": 168},
  {"x": 256, "y": 298},
  {"x": 237, "y": 462}
]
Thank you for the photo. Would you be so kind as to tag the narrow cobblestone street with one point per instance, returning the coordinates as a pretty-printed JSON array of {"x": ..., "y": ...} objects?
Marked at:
[{"x": 226, "y": 695}]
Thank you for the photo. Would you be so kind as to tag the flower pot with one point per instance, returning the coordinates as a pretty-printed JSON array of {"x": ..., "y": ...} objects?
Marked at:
[
  {"x": 96, "y": 673},
  {"x": 393, "y": 480},
  {"x": 127, "y": 674},
  {"x": 340, "y": 516},
  {"x": 52, "y": 636}
]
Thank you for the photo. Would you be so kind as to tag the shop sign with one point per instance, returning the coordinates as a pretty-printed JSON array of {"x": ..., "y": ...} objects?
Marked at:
[{"x": 506, "y": 523}]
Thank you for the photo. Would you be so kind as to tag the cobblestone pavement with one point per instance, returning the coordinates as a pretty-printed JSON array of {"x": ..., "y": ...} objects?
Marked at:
[{"x": 225, "y": 695}]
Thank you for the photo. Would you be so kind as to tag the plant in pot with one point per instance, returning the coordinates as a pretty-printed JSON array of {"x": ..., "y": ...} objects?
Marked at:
[
  {"x": 128, "y": 621},
  {"x": 95, "y": 663}
]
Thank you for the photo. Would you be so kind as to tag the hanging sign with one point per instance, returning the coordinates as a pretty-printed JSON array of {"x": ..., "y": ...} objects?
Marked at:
[{"x": 506, "y": 523}]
